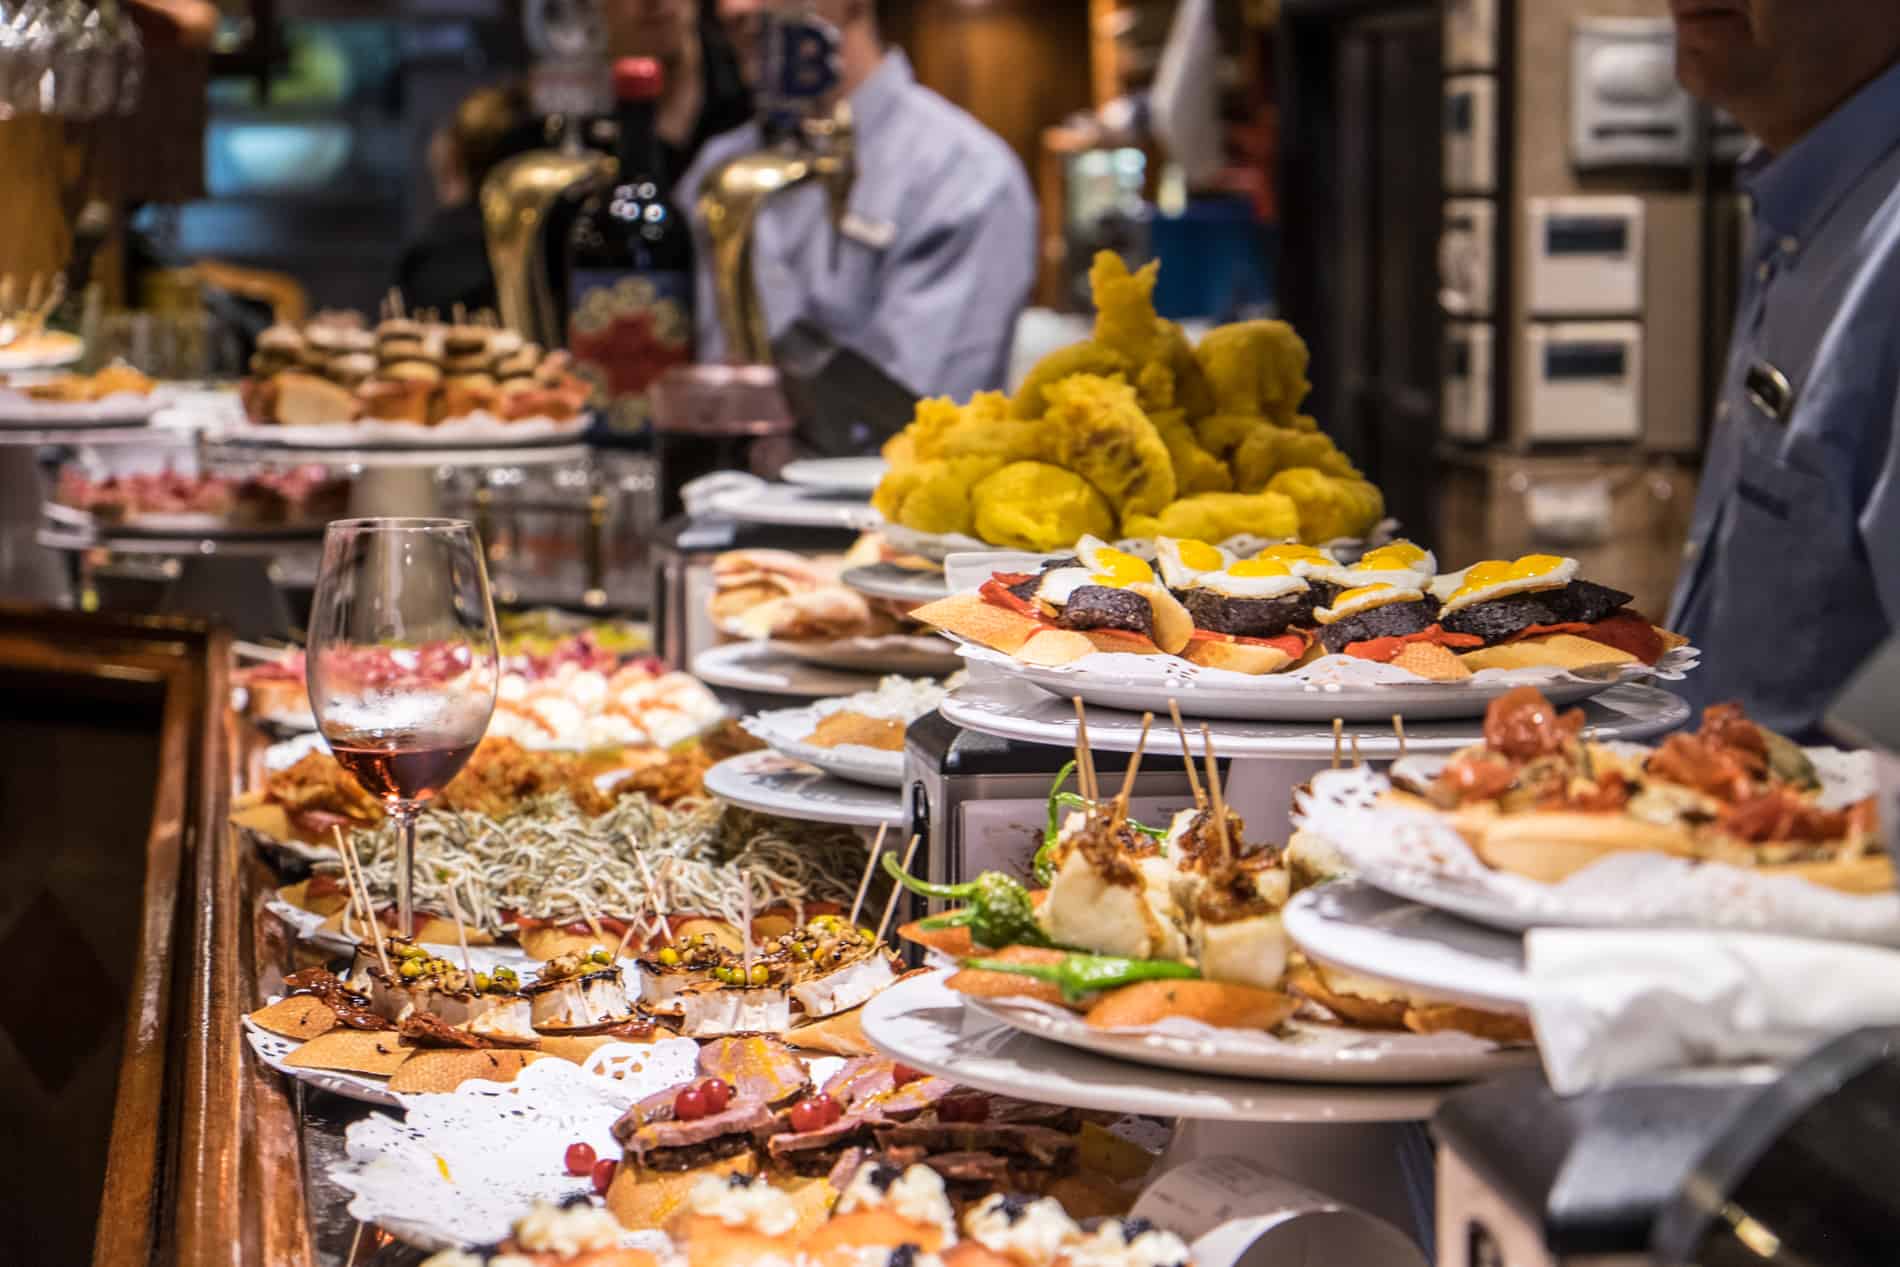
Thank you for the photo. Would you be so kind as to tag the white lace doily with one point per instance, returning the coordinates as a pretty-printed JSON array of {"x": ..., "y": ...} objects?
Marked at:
[
  {"x": 461, "y": 1167},
  {"x": 1416, "y": 854}
]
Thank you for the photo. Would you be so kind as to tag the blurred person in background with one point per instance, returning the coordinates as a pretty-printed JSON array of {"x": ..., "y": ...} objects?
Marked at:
[
  {"x": 706, "y": 94},
  {"x": 1792, "y": 571},
  {"x": 705, "y": 91},
  {"x": 447, "y": 264},
  {"x": 936, "y": 255}
]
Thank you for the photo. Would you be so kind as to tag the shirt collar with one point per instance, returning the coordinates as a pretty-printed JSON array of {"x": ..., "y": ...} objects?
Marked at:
[
  {"x": 879, "y": 94},
  {"x": 1795, "y": 190}
]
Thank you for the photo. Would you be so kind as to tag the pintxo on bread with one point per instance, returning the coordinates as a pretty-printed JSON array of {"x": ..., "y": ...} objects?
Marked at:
[{"x": 1288, "y": 605}]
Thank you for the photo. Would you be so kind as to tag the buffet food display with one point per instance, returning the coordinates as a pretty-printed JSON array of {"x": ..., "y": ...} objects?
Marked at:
[
  {"x": 170, "y": 500},
  {"x": 335, "y": 369}
]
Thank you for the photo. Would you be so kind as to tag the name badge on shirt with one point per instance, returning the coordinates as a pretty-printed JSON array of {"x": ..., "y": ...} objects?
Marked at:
[
  {"x": 876, "y": 234},
  {"x": 1768, "y": 387}
]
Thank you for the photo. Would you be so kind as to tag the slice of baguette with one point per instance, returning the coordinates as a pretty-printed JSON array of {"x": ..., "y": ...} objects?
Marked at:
[
  {"x": 1236, "y": 657},
  {"x": 986, "y": 624},
  {"x": 1563, "y": 651},
  {"x": 1221, "y": 1004},
  {"x": 305, "y": 400},
  {"x": 1551, "y": 846}
]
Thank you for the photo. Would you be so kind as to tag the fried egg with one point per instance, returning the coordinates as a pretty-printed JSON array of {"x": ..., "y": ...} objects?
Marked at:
[
  {"x": 1054, "y": 588},
  {"x": 1496, "y": 578},
  {"x": 1400, "y": 564},
  {"x": 1183, "y": 562},
  {"x": 1114, "y": 568},
  {"x": 1365, "y": 599},
  {"x": 1301, "y": 560},
  {"x": 1254, "y": 578}
]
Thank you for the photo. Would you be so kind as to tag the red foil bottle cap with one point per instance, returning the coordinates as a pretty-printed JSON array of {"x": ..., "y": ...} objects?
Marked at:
[{"x": 638, "y": 79}]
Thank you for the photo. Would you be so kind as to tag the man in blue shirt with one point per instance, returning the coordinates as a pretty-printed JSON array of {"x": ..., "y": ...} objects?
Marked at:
[
  {"x": 937, "y": 249},
  {"x": 1792, "y": 572}
]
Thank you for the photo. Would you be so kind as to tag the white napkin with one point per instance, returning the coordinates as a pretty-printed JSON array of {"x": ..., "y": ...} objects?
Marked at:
[
  {"x": 1611, "y": 1006},
  {"x": 699, "y": 496}
]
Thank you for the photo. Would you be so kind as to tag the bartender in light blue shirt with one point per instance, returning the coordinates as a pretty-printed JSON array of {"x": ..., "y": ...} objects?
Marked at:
[
  {"x": 1792, "y": 571},
  {"x": 936, "y": 253}
]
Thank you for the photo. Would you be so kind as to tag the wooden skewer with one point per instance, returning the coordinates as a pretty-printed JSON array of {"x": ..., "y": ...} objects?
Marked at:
[
  {"x": 745, "y": 929},
  {"x": 461, "y": 936},
  {"x": 890, "y": 904},
  {"x": 1357, "y": 760},
  {"x": 1398, "y": 728},
  {"x": 353, "y": 863},
  {"x": 1084, "y": 760},
  {"x": 625, "y": 935},
  {"x": 1213, "y": 791},
  {"x": 1134, "y": 766},
  {"x": 864, "y": 881},
  {"x": 1339, "y": 732},
  {"x": 593, "y": 923},
  {"x": 350, "y": 906},
  {"x": 1187, "y": 754},
  {"x": 653, "y": 896}
]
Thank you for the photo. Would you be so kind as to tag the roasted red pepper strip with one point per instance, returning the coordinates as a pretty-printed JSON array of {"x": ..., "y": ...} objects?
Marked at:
[
  {"x": 1294, "y": 642},
  {"x": 1624, "y": 632},
  {"x": 1384, "y": 649},
  {"x": 996, "y": 591}
]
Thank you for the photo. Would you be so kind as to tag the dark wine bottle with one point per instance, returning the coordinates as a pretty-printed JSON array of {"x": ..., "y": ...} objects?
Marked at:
[{"x": 630, "y": 263}]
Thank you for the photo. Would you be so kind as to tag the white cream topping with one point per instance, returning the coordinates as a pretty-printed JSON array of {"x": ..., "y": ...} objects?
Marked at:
[
  {"x": 757, "y": 1205},
  {"x": 452, "y": 1258},
  {"x": 1035, "y": 1235},
  {"x": 1106, "y": 1247},
  {"x": 548, "y": 1229},
  {"x": 916, "y": 1196}
]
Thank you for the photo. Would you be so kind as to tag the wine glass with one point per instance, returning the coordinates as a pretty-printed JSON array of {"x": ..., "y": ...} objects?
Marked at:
[{"x": 402, "y": 663}]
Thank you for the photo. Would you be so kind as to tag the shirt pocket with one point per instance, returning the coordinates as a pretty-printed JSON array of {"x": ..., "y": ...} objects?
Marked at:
[
  {"x": 1787, "y": 577},
  {"x": 849, "y": 274}
]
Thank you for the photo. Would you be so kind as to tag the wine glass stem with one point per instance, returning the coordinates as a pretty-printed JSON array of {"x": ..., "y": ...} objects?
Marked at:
[{"x": 406, "y": 871}]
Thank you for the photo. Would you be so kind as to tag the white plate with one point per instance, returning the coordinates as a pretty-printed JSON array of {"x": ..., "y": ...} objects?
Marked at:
[
  {"x": 1332, "y": 686},
  {"x": 1418, "y": 855},
  {"x": 43, "y": 351},
  {"x": 785, "y": 729},
  {"x": 836, "y": 475},
  {"x": 122, "y": 409},
  {"x": 763, "y": 669},
  {"x": 1011, "y": 709},
  {"x": 774, "y": 784},
  {"x": 924, "y": 1024},
  {"x": 918, "y": 654},
  {"x": 479, "y": 430},
  {"x": 899, "y": 585},
  {"x": 1301, "y": 1051},
  {"x": 1357, "y": 928},
  {"x": 787, "y": 506}
]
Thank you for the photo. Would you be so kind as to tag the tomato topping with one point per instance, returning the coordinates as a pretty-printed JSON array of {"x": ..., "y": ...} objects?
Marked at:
[
  {"x": 1384, "y": 649},
  {"x": 690, "y": 1105},
  {"x": 902, "y": 1074},
  {"x": 580, "y": 1159},
  {"x": 1477, "y": 777},
  {"x": 1626, "y": 631},
  {"x": 1782, "y": 814},
  {"x": 604, "y": 1176},
  {"x": 718, "y": 1093},
  {"x": 996, "y": 591},
  {"x": 814, "y": 1113}
]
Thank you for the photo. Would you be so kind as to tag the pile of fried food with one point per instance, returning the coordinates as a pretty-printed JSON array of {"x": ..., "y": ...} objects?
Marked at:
[
  {"x": 1135, "y": 433},
  {"x": 1539, "y": 799},
  {"x": 332, "y": 369},
  {"x": 788, "y": 597},
  {"x": 1140, "y": 924},
  {"x": 1288, "y": 605},
  {"x": 81, "y": 389},
  {"x": 878, "y": 1214}
]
